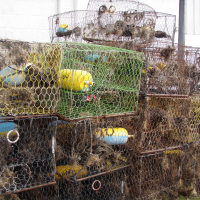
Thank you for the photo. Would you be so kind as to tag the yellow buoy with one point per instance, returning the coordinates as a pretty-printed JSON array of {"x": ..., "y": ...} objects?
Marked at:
[
  {"x": 76, "y": 80},
  {"x": 67, "y": 171}
]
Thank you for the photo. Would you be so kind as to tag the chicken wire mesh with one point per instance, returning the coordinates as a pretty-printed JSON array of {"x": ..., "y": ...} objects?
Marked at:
[
  {"x": 94, "y": 146},
  {"x": 68, "y": 26},
  {"x": 119, "y": 5},
  {"x": 130, "y": 25},
  {"x": 93, "y": 155},
  {"x": 108, "y": 25},
  {"x": 163, "y": 175},
  {"x": 171, "y": 70},
  {"x": 27, "y": 154},
  {"x": 139, "y": 29},
  {"x": 126, "y": 29},
  {"x": 28, "y": 77},
  {"x": 120, "y": 26},
  {"x": 98, "y": 80},
  {"x": 168, "y": 123}
]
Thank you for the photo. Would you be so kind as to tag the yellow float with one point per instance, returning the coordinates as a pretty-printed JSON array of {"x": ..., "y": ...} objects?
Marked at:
[{"x": 76, "y": 80}]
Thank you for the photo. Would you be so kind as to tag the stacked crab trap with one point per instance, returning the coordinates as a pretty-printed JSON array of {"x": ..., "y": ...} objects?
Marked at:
[
  {"x": 128, "y": 104},
  {"x": 29, "y": 94}
]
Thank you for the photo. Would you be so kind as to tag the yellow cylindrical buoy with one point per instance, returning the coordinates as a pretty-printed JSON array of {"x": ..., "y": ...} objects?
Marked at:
[
  {"x": 68, "y": 171},
  {"x": 76, "y": 80},
  {"x": 114, "y": 136}
]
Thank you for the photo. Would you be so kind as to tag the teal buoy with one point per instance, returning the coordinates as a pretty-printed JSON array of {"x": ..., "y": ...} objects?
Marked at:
[
  {"x": 58, "y": 122},
  {"x": 93, "y": 58},
  {"x": 5, "y": 127},
  {"x": 7, "y": 71},
  {"x": 62, "y": 30},
  {"x": 15, "y": 80}
]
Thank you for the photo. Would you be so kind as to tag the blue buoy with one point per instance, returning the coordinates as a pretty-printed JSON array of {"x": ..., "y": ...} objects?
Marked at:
[
  {"x": 93, "y": 58},
  {"x": 15, "y": 80},
  {"x": 7, "y": 71},
  {"x": 5, "y": 127},
  {"x": 114, "y": 136},
  {"x": 62, "y": 30},
  {"x": 58, "y": 122}
]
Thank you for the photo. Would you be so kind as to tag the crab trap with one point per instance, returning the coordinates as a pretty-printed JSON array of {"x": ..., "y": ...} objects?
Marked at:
[
  {"x": 105, "y": 26},
  {"x": 98, "y": 80},
  {"x": 171, "y": 70},
  {"x": 117, "y": 5},
  {"x": 68, "y": 26},
  {"x": 132, "y": 29},
  {"x": 120, "y": 27},
  {"x": 28, "y": 78},
  {"x": 155, "y": 176},
  {"x": 161, "y": 175},
  {"x": 155, "y": 28},
  {"x": 168, "y": 123},
  {"x": 93, "y": 155},
  {"x": 27, "y": 154}
]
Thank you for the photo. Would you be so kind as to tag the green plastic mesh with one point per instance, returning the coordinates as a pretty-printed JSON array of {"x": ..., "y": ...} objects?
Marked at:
[{"x": 98, "y": 80}]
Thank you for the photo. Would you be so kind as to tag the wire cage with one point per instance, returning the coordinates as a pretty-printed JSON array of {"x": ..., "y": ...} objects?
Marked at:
[
  {"x": 118, "y": 5},
  {"x": 157, "y": 28},
  {"x": 125, "y": 29},
  {"x": 28, "y": 75},
  {"x": 106, "y": 26},
  {"x": 98, "y": 80},
  {"x": 141, "y": 29},
  {"x": 68, "y": 26},
  {"x": 168, "y": 123},
  {"x": 165, "y": 27},
  {"x": 93, "y": 155},
  {"x": 171, "y": 70},
  {"x": 162, "y": 175},
  {"x": 141, "y": 24},
  {"x": 120, "y": 26},
  {"x": 27, "y": 154},
  {"x": 156, "y": 176}
]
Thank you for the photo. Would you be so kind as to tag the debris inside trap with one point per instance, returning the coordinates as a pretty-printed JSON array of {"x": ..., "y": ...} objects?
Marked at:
[
  {"x": 28, "y": 77},
  {"x": 26, "y": 160},
  {"x": 14, "y": 53}
]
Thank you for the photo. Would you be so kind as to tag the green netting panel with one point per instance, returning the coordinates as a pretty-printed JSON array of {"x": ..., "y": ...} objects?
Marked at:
[{"x": 98, "y": 80}]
